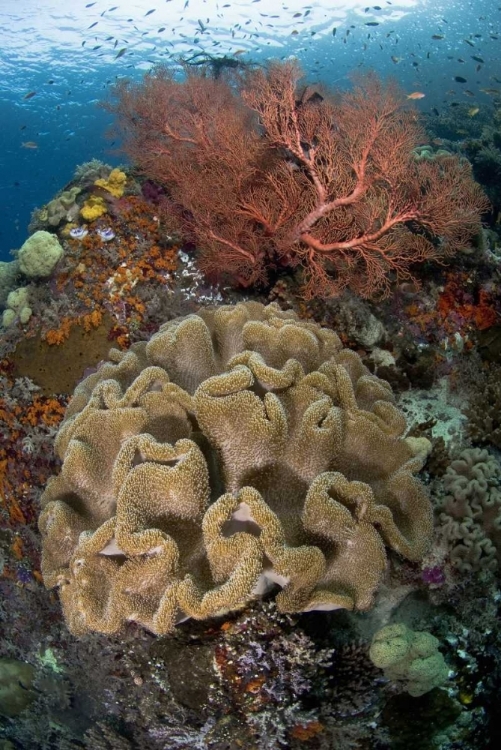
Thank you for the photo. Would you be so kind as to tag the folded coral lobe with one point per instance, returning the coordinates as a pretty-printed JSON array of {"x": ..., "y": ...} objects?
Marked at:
[{"x": 239, "y": 449}]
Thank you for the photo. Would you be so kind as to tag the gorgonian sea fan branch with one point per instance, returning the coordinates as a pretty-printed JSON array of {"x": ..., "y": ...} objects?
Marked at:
[{"x": 264, "y": 176}]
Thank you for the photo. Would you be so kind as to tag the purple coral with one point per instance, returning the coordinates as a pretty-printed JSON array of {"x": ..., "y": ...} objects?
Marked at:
[{"x": 433, "y": 575}]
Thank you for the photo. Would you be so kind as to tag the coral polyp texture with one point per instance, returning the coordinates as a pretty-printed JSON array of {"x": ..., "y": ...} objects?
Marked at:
[{"x": 239, "y": 449}]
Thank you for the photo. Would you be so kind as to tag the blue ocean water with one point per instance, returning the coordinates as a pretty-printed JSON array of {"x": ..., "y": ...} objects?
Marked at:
[{"x": 59, "y": 58}]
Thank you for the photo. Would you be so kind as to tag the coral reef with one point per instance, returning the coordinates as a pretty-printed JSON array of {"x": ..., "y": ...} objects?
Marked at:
[
  {"x": 219, "y": 434},
  {"x": 126, "y": 281},
  {"x": 281, "y": 460}
]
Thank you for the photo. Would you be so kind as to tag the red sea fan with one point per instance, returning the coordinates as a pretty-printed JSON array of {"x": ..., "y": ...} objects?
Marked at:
[{"x": 264, "y": 177}]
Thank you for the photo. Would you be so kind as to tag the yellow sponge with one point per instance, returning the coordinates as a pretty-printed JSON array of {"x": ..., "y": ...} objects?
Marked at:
[
  {"x": 93, "y": 208},
  {"x": 115, "y": 184}
]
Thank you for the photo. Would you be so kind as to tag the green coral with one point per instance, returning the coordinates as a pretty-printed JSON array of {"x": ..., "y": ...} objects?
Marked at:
[
  {"x": 410, "y": 658},
  {"x": 63, "y": 207},
  {"x": 40, "y": 254}
]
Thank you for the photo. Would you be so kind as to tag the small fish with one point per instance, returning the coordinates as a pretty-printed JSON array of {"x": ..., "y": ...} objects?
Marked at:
[
  {"x": 395, "y": 59},
  {"x": 416, "y": 95},
  {"x": 29, "y": 144},
  {"x": 460, "y": 79},
  {"x": 467, "y": 92},
  {"x": 477, "y": 59},
  {"x": 89, "y": 5},
  {"x": 295, "y": 32},
  {"x": 162, "y": 28},
  {"x": 121, "y": 53},
  {"x": 334, "y": 31},
  {"x": 372, "y": 23},
  {"x": 473, "y": 111},
  {"x": 149, "y": 12},
  {"x": 435, "y": 111},
  {"x": 467, "y": 41},
  {"x": 29, "y": 95},
  {"x": 297, "y": 15},
  {"x": 92, "y": 25},
  {"x": 437, "y": 36},
  {"x": 491, "y": 92}
]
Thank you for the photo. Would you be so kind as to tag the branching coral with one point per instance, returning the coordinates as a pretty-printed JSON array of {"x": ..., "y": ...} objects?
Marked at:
[
  {"x": 292, "y": 178},
  {"x": 238, "y": 448}
]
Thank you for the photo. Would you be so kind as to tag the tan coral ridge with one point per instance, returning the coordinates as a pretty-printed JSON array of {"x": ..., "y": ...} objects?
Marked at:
[
  {"x": 238, "y": 448},
  {"x": 471, "y": 511}
]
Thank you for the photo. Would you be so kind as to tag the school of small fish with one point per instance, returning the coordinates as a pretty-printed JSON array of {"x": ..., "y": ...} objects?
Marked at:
[{"x": 374, "y": 30}]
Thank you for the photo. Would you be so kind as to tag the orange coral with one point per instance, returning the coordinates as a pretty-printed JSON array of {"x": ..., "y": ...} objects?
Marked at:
[
  {"x": 17, "y": 548},
  {"x": 92, "y": 320},
  {"x": 47, "y": 410},
  {"x": 58, "y": 335},
  {"x": 306, "y": 731},
  {"x": 455, "y": 312},
  {"x": 255, "y": 685}
]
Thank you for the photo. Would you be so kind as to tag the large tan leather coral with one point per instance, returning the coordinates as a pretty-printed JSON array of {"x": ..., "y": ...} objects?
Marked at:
[{"x": 238, "y": 448}]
